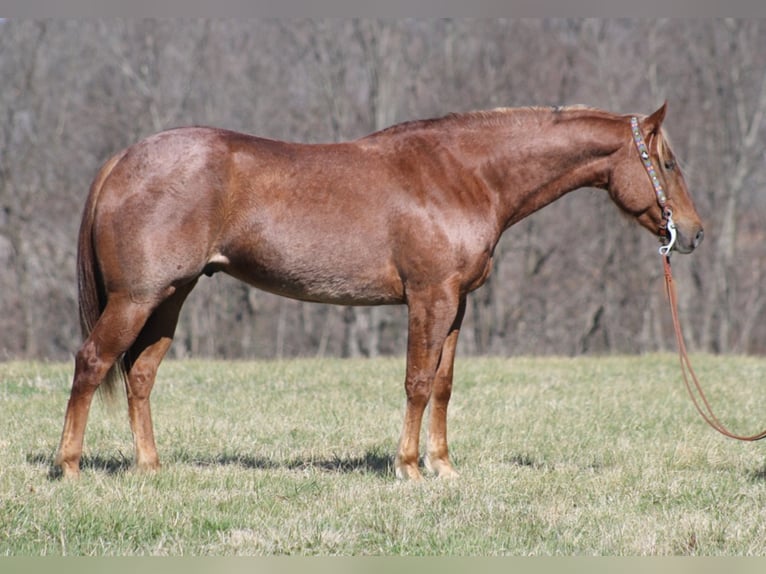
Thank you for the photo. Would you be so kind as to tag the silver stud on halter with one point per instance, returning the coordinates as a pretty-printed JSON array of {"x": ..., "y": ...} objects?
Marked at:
[{"x": 662, "y": 199}]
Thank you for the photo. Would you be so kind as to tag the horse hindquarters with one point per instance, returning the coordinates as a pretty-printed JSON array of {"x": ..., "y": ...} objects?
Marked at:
[{"x": 113, "y": 315}]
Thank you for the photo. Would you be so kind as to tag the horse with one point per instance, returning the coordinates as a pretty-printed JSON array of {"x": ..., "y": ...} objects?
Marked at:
[{"x": 408, "y": 215}]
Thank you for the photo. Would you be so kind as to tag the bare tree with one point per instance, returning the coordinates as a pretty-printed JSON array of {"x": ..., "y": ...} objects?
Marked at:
[
  {"x": 573, "y": 278},
  {"x": 729, "y": 130}
]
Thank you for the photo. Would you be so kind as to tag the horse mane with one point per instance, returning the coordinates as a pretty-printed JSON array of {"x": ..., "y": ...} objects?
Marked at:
[
  {"x": 487, "y": 118},
  {"x": 453, "y": 119},
  {"x": 498, "y": 117}
]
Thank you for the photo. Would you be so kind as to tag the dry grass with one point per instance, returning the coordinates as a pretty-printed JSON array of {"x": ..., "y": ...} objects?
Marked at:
[{"x": 587, "y": 456}]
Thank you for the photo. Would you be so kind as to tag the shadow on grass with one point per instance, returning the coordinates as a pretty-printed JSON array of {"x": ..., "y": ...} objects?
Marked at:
[
  {"x": 372, "y": 462},
  {"x": 111, "y": 465},
  {"x": 758, "y": 475},
  {"x": 524, "y": 460}
]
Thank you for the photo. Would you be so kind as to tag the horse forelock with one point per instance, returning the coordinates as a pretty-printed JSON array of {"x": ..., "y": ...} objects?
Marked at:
[{"x": 664, "y": 149}]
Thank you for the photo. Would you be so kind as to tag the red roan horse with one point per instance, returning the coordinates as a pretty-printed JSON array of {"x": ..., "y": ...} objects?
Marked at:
[{"x": 408, "y": 215}]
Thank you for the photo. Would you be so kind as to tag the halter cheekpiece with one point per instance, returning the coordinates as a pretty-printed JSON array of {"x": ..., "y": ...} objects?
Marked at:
[{"x": 659, "y": 191}]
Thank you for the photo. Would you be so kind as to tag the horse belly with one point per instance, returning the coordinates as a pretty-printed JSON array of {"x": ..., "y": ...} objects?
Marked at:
[{"x": 341, "y": 276}]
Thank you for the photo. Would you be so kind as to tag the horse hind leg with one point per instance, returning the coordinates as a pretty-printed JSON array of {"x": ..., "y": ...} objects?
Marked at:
[
  {"x": 142, "y": 361},
  {"x": 114, "y": 333}
]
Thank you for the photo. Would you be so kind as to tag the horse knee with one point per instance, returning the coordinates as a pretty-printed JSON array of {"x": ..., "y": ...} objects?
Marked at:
[{"x": 419, "y": 389}]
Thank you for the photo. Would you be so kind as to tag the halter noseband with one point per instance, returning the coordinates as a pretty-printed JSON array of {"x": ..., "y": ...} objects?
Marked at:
[{"x": 662, "y": 199}]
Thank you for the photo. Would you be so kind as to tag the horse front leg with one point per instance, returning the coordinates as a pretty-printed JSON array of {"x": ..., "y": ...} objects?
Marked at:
[
  {"x": 437, "y": 457},
  {"x": 431, "y": 315}
]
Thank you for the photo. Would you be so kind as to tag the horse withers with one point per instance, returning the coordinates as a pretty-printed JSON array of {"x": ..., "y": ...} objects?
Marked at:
[{"x": 408, "y": 215}]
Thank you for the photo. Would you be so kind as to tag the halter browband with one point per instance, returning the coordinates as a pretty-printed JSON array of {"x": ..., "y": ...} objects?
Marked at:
[{"x": 659, "y": 191}]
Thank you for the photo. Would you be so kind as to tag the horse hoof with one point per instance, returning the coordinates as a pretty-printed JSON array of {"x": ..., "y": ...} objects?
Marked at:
[
  {"x": 441, "y": 468},
  {"x": 449, "y": 474},
  {"x": 408, "y": 472},
  {"x": 64, "y": 472},
  {"x": 147, "y": 467}
]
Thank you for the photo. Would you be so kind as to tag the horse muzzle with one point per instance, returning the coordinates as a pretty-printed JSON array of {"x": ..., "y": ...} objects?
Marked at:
[{"x": 688, "y": 239}]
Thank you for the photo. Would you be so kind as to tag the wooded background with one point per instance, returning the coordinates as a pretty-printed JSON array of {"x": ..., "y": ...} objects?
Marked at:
[{"x": 576, "y": 277}]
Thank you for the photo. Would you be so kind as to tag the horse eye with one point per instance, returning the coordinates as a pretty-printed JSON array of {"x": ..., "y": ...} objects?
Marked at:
[{"x": 670, "y": 164}]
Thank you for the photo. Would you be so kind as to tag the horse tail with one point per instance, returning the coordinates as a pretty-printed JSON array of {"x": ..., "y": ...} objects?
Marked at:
[{"x": 91, "y": 293}]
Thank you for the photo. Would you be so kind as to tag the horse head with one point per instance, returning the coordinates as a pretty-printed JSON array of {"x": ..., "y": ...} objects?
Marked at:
[{"x": 647, "y": 183}]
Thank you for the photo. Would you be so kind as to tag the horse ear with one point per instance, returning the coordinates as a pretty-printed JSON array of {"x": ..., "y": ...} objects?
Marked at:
[{"x": 652, "y": 123}]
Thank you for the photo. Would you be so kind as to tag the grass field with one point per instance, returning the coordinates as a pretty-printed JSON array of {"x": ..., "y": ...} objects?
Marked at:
[{"x": 586, "y": 456}]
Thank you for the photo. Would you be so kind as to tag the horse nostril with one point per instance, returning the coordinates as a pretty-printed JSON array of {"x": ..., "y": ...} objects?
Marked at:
[{"x": 698, "y": 237}]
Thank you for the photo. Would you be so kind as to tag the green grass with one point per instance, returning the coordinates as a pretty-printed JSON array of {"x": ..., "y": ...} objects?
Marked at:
[{"x": 586, "y": 456}]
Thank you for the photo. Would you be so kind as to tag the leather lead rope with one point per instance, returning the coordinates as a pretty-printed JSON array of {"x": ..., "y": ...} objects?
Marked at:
[
  {"x": 693, "y": 386},
  {"x": 691, "y": 381}
]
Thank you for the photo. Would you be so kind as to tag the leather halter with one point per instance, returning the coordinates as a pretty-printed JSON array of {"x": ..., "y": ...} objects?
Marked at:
[{"x": 668, "y": 229}]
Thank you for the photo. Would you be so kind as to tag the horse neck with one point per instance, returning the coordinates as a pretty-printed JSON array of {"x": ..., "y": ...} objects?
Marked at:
[{"x": 536, "y": 157}]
